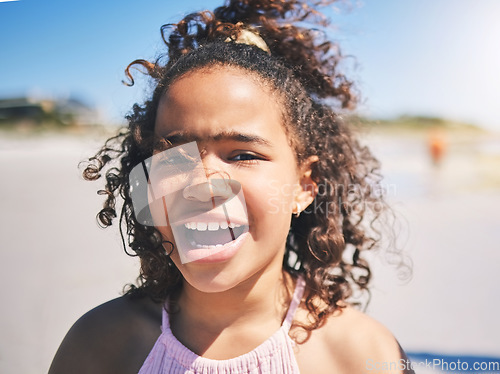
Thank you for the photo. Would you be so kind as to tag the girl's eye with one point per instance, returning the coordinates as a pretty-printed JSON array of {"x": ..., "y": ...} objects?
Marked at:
[
  {"x": 174, "y": 163},
  {"x": 246, "y": 157},
  {"x": 177, "y": 158}
]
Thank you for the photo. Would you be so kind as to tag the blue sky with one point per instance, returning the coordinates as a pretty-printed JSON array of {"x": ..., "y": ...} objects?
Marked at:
[{"x": 425, "y": 57}]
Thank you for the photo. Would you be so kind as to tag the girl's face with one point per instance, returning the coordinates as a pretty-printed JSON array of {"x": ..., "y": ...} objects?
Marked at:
[{"x": 238, "y": 126}]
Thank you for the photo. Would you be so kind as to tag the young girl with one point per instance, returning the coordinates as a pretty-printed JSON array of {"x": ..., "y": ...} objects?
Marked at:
[{"x": 245, "y": 198}]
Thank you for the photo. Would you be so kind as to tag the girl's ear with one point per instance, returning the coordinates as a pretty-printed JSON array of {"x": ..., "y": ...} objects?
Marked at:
[{"x": 307, "y": 188}]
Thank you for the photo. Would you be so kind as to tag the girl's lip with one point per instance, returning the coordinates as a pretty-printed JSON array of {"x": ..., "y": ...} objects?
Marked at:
[{"x": 225, "y": 253}]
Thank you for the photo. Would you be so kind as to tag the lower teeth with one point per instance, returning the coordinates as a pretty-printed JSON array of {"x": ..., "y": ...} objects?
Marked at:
[
  {"x": 234, "y": 235},
  {"x": 206, "y": 246}
]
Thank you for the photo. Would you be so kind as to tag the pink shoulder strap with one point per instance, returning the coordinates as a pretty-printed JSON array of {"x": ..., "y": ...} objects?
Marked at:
[
  {"x": 165, "y": 322},
  {"x": 296, "y": 299}
]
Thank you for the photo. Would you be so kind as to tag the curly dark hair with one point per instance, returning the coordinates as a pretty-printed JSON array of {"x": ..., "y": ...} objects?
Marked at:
[{"x": 325, "y": 242}]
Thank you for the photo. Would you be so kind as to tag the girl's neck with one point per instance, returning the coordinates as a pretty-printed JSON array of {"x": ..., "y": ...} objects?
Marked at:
[{"x": 263, "y": 297}]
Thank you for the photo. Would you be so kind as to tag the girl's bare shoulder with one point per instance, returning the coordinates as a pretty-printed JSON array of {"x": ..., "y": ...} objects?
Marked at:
[
  {"x": 361, "y": 335},
  {"x": 352, "y": 342},
  {"x": 113, "y": 337}
]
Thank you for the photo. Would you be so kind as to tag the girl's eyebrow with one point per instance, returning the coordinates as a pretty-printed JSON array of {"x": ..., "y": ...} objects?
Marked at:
[{"x": 180, "y": 137}]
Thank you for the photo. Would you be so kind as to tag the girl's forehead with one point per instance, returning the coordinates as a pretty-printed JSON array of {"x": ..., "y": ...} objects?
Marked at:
[{"x": 222, "y": 78}]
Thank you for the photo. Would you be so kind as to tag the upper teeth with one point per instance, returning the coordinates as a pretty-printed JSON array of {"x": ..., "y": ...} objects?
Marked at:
[{"x": 211, "y": 226}]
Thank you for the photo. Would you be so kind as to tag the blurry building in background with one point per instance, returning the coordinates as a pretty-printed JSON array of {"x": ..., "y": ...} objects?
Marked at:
[{"x": 26, "y": 111}]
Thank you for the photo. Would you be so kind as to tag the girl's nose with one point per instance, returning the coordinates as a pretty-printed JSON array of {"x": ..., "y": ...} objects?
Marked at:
[{"x": 208, "y": 190}]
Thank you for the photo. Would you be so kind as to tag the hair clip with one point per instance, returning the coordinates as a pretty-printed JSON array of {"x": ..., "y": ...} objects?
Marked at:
[{"x": 250, "y": 38}]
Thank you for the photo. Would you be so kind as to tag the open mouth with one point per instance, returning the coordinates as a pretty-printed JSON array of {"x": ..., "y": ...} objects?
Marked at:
[{"x": 211, "y": 235}]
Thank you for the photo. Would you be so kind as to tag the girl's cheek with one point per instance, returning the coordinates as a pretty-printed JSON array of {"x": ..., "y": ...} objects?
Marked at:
[
  {"x": 276, "y": 197},
  {"x": 166, "y": 234}
]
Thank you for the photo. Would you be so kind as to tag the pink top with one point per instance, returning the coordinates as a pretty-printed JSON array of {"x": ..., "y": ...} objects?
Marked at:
[{"x": 275, "y": 355}]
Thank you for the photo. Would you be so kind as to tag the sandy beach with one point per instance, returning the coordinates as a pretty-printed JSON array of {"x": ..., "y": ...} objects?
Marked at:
[{"x": 56, "y": 263}]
